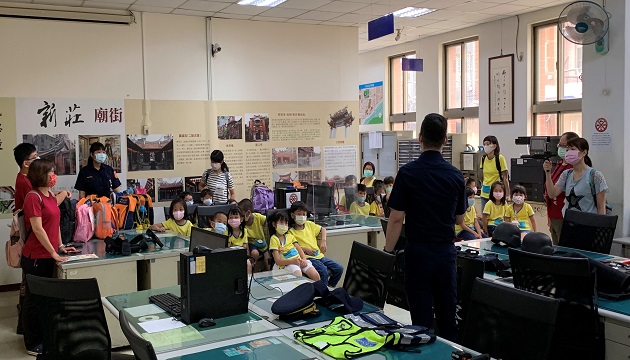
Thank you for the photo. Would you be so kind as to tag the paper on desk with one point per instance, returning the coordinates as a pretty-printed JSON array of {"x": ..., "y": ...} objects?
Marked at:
[
  {"x": 82, "y": 257},
  {"x": 174, "y": 336},
  {"x": 285, "y": 287},
  {"x": 154, "y": 326},
  {"x": 144, "y": 310}
]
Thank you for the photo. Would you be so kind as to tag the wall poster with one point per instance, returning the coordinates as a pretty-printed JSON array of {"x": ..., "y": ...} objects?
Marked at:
[{"x": 371, "y": 103}]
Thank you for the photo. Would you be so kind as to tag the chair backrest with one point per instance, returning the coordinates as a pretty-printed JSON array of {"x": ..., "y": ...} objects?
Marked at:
[
  {"x": 368, "y": 273},
  {"x": 468, "y": 269},
  {"x": 73, "y": 320},
  {"x": 203, "y": 213},
  {"x": 571, "y": 280},
  {"x": 588, "y": 231},
  {"x": 509, "y": 323},
  {"x": 142, "y": 349},
  {"x": 167, "y": 214}
]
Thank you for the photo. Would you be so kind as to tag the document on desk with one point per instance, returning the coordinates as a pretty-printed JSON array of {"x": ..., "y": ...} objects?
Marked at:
[
  {"x": 285, "y": 287},
  {"x": 173, "y": 337},
  {"x": 144, "y": 310},
  {"x": 82, "y": 257},
  {"x": 154, "y": 326}
]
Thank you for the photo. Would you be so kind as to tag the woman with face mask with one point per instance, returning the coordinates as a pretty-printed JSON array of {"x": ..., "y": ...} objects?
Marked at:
[
  {"x": 494, "y": 167},
  {"x": 576, "y": 183},
  {"x": 218, "y": 179},
  {"x": 368, "y": 174},
  {"x": 97, "y": 178},
  {"x": 554, "y": 206}
]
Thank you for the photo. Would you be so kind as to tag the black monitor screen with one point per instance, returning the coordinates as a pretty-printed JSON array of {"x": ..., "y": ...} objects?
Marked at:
[
  {"x": 207, "y": 238},
  {"x": 319, "y": 199}
]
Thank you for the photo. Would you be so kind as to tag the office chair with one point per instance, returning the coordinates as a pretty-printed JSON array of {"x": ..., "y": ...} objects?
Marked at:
[
  {"x": 396, "y": 292},
  {"x": 368, "y": 273},
  {"x": 579, "y": 330},
  {"x": 509, "y": 323},
  {"x": 72, "y": 319},
  {"x": 167, "y": 215},
  {"x": 588, "y": 231},
  {"x": 142, "y": 349},
  {"x": 468, "y": 270},
  {"x": 203, "y": 213}
]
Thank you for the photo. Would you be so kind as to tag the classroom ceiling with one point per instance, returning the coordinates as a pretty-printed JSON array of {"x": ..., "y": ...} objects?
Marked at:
[{"x": 450, "y": 14}]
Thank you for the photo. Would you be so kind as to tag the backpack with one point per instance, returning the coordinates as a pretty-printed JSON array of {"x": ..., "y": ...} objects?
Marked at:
[
  {"x": 67, "y": 210},
  {"x": 591, "y": 183},
  {"x": 262, "y": 197},
  {"x": 143, "y": 215},
  {"x": 106, "y": 219},
  {"x": 18, "y": 237},
  {"x": 126, "y": 208},
  {"x": 498, "y": 165},
  {"x": 84, "y": 230}
]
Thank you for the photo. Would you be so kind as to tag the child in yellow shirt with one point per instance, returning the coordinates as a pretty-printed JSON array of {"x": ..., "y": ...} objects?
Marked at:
[
  {"x": 286, "y": 250},
  {"x": 471, "y": 229},
  {"x": 377, "y": 206},
  {"x": 178, "y": 221},
  {"x": 521, "y": 212},
  {"x": 360, "y": 206},
  {"x": 237, "y": 233},
  {"x": 256, "y": 226},
  {"x": 496, "y": 210}
]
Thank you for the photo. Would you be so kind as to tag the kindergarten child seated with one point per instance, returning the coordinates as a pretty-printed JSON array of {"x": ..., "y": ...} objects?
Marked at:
[
  {"x": 178, "y": 221},
  {"x": 218, "y": 223},
  {"x": 521, "y": 213},
  {"x": 350, "y": 182},
  {"x": 238, "y": 234},
  {"x": 496, "y": 210},
  {"x": 255, "y": 224},
  {"x": 471, "y": 229},
  {"x": 206, "y": 197},
  {"x": 286, "y": 250},
  {"x": 360, "y": 206},
  {"x": 188, "y": 198},
  {"x": 377, "y": 206}
]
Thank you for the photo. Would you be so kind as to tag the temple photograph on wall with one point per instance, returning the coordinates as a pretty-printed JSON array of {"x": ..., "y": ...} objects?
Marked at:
[
  {"x": 230, "y": 127},
  {"x": 57, "y": 148},
  {"x": 169, "y": 188},
  {"x": 150, "y": 152},
  {"x": 256, "y": 127}
]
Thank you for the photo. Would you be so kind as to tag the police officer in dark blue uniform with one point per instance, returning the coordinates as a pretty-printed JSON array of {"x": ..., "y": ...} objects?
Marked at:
[
  {"x": 97, "y": 178},
  {"x": 429, "y": 195}
]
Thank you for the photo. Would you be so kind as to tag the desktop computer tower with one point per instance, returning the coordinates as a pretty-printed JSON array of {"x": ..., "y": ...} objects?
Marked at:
[{"x": 213, "y": 285}]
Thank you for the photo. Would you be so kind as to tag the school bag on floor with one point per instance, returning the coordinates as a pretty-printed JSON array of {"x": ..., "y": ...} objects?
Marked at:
[
  {"x": 262, "y": 197},
  {"x": 17, "y": 237}
]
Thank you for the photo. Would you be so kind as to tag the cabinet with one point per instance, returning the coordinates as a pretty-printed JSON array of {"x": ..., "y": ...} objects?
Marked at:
[{"x": 386, "y": 158}]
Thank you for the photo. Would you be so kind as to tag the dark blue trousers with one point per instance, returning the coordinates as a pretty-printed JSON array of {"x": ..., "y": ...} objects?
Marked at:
[{"x": 431, "y": 284}]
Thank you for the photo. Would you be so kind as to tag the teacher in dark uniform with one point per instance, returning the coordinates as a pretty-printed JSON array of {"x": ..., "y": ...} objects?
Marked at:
[
  {"x": 429, "y": 195},
  {"x": 97, "y": 178}
]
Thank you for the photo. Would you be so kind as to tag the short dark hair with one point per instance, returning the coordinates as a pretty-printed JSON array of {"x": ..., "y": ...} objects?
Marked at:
[
  {"x": 184, "y": 194},
  {"x": 519, "y": 189},
  {"x": 38, "y": 172},
  {"x": 351, "y": 178},
  {"x": 491, "y": 196},
  {"x": 378, "y": 184},
  {"x": 246, "y": 205},
  {"x": 469, "y": 192},
  {"x": 570, "y": 135},
  {"x": 361, "y": 187},
  {"x": 582, "y": 145},
  {"x": 433, "y": 131},
  {"x": 388, "y": 180},
  {"x": 493, "y": 140},
  {"x": 275, "y": 217},
  {"x": 22, "y": 152},
  {"x": 470, "y": 180},
  {"x": 370, "y": 164},
  {"x": 205, "y": 192},
  {"x": 182, "y": 203}
]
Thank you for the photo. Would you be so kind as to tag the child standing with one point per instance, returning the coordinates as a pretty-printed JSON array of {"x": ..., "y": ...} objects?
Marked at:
[
  {"x": 255, "y": 224},
  {"x": 360, "y": 206},
  {"x": 178, "y": 221},
  {"x": 287, "y": 252},
  {"x": 520, "y": 211},
  {"x": 237, "y": 233},
  {"x": 471, "y": 229},
  {"x": 496, "y": 210},
  {"x": 306, "y": 233}
]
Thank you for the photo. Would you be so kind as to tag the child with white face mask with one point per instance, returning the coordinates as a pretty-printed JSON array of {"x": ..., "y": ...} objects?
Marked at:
[
  {"x": 287, "y": 253},
  {"x": 178, "y": 221},
  {"x": 495, "y": 211},
  {"x": 521, "y": 213}
]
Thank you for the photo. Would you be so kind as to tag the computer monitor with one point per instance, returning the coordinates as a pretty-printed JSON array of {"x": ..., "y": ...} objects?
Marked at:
[
  {"x": 350, "y": 195},
  {"x": 320, "y": 199},
  {"x": 207, "y": 238},
  {"x": 196, "y": 197}
]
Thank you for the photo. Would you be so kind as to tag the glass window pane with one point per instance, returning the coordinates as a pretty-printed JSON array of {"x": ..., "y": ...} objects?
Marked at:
[
  {"x": 545, "y": 62},
  {"x": 454, "y": 126},
  {"x": 471, "y": 128},
  {"x": 472, "y": 73},
  {"x": 572, "y": 70},
  {"x": 399, "y": 126},
  {"x": 410, "y": 126},
  {"x": 546, "y": 124},
  {"x": 396, "y": 86},
  {"x": 454, "y": 76},
  {"x": 572, "y": 122},
  {"x": 410, "y": 83}
]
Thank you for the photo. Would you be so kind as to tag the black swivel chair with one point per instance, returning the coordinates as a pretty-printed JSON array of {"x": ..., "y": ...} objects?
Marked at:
[
  {"x": 368, "y": 273},
  {"x": 396, "y": 293},
  {"x": 203, "y": 213},
  {"x": 468, "y": 270},
  {"x": 509, "y": 323},
  {"x": 579, "y": 331},
  {"x": 72, "y": 319},
  {"x": 588, "y": 231},
  {"x": 191, "y": 213},
  {"x": 142, "y": 349}
]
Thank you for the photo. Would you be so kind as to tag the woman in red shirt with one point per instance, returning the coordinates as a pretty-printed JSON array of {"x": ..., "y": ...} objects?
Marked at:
[
  {"x": 39, "y": 255},
  {"x": 554, "y": 206}
]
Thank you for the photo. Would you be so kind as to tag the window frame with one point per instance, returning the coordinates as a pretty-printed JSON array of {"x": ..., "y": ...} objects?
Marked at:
[
  {"x": 559, "y": 106},
  {"x": 404, "y": 116}
]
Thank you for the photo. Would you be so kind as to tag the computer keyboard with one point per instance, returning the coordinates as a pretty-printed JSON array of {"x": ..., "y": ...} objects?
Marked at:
[{"x": 168, "y": 302}]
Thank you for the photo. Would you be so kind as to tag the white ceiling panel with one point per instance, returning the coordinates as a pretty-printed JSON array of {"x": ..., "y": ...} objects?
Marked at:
[
  {"x": 161, "y": 3},
  {"x": 448, "y": 24},
  {"x": 304, "y": 4},
  {"x": 105, "y": 5},
  {"x": 304, "y": 21},
  {"x": 319, "y": 15},
  {"x": 232, "y": 16},
  {"x": 283, "y": 12},
  {"x": 270, "y": 19},
  {"x": 153, "y": 9},
  {"x": 60, "y": 2},
  {"x": 193, "y": 12},
  {"x": 336, "y": 23},
  {"x": 128, "y": 2},
  {"x": 354, "y": 18},
  {"x": 441, "y": 4},
  {"x": 507, "y": 9},
  {"x": 244, "y": 10},
  {"x": 342, "y": 6},
  {"x": 539, "y": 3},
  {"x": 204, "y": 5},
  {"x": 375, "y": 10},
  {"x": 472, "y": 17},
  {"x": 472, "y": 6}
]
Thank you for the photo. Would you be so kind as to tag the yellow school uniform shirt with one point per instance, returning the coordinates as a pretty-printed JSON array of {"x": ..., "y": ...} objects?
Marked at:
[
  {"x": 470, "y": 216},
  {"x": 367, "y": 182},
  {"x": 238, "y": 241},
  {"x": 355, "y": 208},
  {"x": 287, "y": 249},
  {"x": 307, "y": 238},
  {"x": 522, "y": 216},
  {"x": 375, "y": 209},
  {"x": 495, "y": 212},
  {"x": 257, "y": 229},
  {"x": 491, "y": 173},
  {"x": 170, "y": 224}
]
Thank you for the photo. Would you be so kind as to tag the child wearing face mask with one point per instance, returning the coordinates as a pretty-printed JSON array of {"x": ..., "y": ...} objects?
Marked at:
[
  {"x": 187, "y": 197},
  {"x": 520, "y": 212},
  {"x": 350, "y": 183},
  {"x": 206, "y": 197},
  {"x": 286, "y": 250},
  {"x": 306, "y": 233},
  {"x": 471, "y": 230},
  {"x": 218, "y": 223},
  {"x": 496, "y": 210},
  {"x": 377, "y": 207},
  {"x": 237, "y": 233},
  {"x": 360, "y": 206},
  {"x": 256, "y": 227},
  {"x": 178, "y": 219}
]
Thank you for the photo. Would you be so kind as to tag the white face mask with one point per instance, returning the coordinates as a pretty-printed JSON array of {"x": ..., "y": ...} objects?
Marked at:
[
  {"x": 216, "y": 166},
  {"x": 518, "y": 199},
  {"x": 488, "y": 148},
  {"x": 178, "y": 215},
  {"x": 300, "y": 219}
]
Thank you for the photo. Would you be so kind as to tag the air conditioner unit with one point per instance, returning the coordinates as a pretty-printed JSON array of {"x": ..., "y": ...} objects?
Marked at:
[{"x": 65, "y": 13}]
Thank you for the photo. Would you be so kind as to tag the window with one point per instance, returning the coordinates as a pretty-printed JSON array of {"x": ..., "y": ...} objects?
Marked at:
[
  {"x": 557, "y": 97},
  {"x": 462, "y": 88},
  {"x": 402, "y": 90}
]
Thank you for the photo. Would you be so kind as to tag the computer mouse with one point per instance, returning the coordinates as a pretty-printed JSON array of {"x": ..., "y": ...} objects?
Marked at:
[
  {"x": 200, "y": 249},
  {"x": 206, "y": 322}
]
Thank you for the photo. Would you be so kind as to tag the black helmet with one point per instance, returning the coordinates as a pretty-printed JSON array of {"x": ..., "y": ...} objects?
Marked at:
[
  {"x": 537, "y": 242},
  {"x": 507, "y": 234}
]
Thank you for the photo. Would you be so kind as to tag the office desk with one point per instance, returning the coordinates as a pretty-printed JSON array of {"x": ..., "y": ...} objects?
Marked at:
[
  {"x": 339, "y": 242},
  {"x": 625, "y": 245}
]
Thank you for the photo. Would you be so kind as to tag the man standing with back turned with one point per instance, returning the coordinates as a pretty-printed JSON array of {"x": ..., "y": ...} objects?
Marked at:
[{"x": 429, "y": 193}]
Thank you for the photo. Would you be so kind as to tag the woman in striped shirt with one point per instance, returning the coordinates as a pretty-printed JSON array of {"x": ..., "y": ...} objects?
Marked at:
[{"x": 218, "y": 179}]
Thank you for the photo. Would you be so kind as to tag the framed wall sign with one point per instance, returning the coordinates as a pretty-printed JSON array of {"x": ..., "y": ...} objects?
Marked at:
[{"x": 501, "y": 80}]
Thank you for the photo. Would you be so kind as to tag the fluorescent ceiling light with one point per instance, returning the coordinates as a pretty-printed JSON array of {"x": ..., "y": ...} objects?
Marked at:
[
  {"x": 413, "y": 12},
  {"x": 269, "y": 3}
]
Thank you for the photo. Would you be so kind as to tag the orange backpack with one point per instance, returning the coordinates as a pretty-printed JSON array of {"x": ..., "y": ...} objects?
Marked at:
[
  {"x": 105, "y": 215},
  {"x": 126, "y": 209}
]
